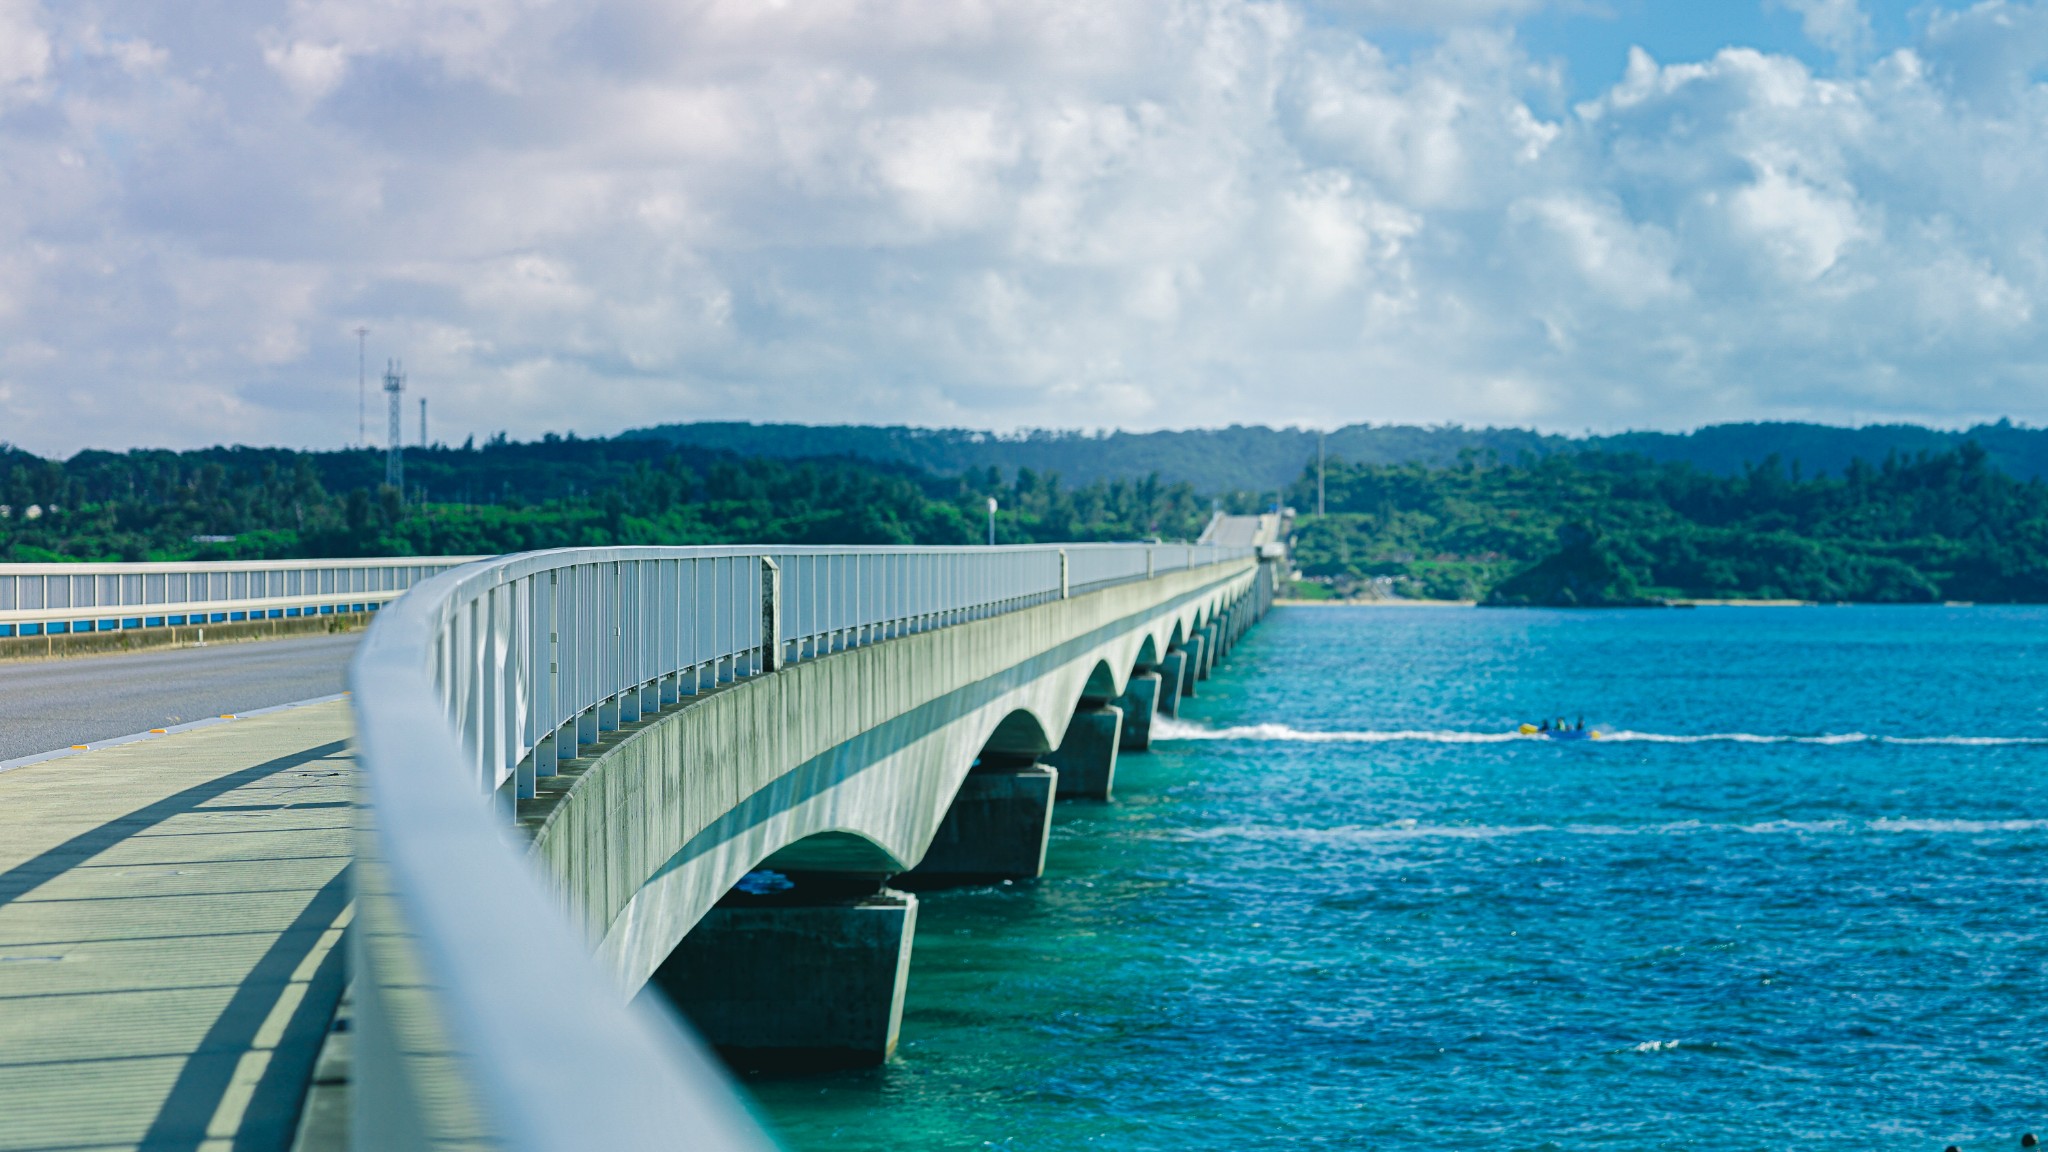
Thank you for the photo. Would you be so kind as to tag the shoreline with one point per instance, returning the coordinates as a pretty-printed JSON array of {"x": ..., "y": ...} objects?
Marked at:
[
  {"x": 1286, "y": 602},
  {"x": 1390, "y": 603}
]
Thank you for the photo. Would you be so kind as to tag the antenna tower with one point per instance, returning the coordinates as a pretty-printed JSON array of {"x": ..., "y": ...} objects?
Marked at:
[{"x": 394, "y": 458}]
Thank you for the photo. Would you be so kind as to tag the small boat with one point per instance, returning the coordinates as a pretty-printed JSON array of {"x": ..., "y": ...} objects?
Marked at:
[{"x": 1559, "y": 733}]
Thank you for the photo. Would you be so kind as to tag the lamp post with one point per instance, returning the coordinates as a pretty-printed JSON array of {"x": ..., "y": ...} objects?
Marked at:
[{"x": 991, "y": 521}]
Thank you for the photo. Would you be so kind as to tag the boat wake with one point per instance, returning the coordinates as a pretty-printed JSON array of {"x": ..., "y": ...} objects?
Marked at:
[
  {"x": 1406, "y": 830},
  {"x": 1167, "y": 728}
]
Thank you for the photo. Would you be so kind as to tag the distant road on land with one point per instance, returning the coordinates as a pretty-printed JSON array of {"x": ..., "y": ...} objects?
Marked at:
[{"x": 51, "y": 704}]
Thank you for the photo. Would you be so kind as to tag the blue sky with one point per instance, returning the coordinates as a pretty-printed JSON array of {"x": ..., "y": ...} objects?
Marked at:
[
  {"x": 1594, "y": 38},
  {"x": 1570, "y": 214}
]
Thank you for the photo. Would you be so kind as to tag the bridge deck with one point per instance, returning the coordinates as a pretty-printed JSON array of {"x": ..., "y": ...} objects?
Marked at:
[{"x": 170, "y": 917}]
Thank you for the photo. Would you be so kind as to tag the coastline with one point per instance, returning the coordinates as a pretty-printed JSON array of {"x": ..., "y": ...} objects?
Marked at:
[
  {"x": 1286, "y": 602},
  {"x": 1388, "y": 603}
]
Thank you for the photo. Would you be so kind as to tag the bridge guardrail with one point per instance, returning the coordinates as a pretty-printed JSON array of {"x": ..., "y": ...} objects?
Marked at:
[
  {"x": 55, "y": 599},
  {"x": 467, "y": 976}
]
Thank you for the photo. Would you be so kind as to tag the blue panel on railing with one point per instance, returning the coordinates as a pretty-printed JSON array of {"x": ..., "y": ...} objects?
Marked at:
[{"x": 47, "y": 594}]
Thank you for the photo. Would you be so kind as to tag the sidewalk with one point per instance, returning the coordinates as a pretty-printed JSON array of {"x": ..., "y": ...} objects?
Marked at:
[{"x": 170, "y": 918}]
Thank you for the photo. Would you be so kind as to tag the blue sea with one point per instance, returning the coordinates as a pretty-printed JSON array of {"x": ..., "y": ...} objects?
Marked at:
[{"x": 1796, "y": 896}]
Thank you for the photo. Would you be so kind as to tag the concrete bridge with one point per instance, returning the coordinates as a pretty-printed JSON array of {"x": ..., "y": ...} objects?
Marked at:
[{"x": 596, "y": 786}]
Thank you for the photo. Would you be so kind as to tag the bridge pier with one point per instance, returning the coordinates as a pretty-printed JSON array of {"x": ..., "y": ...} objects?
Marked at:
[
  {"x": 1086, "y": 757},
  {"x": 995, "y": 830},
  {"x": 1192, "y": 671},
  {"x": 1139, "y": 701},
  {"x": 1173, "y": 672},
  {"x": 810, "y": 977}
]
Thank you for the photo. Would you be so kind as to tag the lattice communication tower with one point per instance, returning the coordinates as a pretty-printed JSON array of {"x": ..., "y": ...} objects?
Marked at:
[{"x": 394, "y": 457}]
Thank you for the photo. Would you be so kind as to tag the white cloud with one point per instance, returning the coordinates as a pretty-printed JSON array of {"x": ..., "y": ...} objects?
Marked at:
[
  {"x": 1433, "y": 14},
  {"x": 1004, "y": 213},
  {"x": 1624, "y": 263},
  {"x": 1840, "y": 26},
  {"x": 310, "y": 70},
  {"x": 1801, "y": 229},
  {"x": 24, "y": 50}
]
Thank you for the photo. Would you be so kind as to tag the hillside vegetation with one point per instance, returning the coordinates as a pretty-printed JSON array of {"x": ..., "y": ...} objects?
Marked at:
[
  {"x": 1616, "y": 529},
  {"x": 505, "y": 497},
  {"x": 1551, "y": 528},
  {"x": 1262, "y": 461}
]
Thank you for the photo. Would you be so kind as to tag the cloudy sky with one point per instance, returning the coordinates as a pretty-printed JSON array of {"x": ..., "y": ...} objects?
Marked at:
[{"x": 999, "y": 213}]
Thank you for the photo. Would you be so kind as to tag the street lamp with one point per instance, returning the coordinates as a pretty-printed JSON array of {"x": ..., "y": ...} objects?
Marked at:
[{"x": 991, "y": 521}]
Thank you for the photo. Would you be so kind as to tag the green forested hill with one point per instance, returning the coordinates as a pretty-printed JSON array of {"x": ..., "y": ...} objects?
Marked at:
[
  {"x": 1263, "y": 460},
  {"x": 504, "y": 497},
  {"x": 1215, "y": 460},
  {"x": 1541, "y": 527},
  {"x": 1615, "y": 528}
]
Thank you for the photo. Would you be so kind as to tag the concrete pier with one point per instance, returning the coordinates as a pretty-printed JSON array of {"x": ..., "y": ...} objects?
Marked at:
[
  {"x": 1173, "y": 672},
  {"x": 995, "y": 830},
  {"x": 1086, "y": 758},
  {"x": 1192, "y": 671},
  {"x": 1139, "y": 701},
  {"x": 811, "y": 977}
]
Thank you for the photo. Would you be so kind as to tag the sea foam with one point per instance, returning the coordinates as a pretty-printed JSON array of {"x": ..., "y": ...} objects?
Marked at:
[{"x": 1167, "y": 728}]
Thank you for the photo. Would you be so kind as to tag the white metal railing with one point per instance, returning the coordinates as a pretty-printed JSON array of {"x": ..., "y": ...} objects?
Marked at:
[
  {"x": 501, "y": 669},
  {"x": 537, "y": 653},
  {"x": 52, "y": 599}
]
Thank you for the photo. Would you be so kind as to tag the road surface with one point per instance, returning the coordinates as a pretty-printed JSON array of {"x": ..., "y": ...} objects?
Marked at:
[{"x": 51, "y": 704}]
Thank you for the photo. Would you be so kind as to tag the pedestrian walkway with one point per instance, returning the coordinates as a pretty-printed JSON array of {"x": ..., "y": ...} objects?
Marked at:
[{"x": 170, "y": 920}]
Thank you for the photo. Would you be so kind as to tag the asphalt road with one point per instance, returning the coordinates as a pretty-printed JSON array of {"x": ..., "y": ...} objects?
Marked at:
[{"x": 50, "y": 704}]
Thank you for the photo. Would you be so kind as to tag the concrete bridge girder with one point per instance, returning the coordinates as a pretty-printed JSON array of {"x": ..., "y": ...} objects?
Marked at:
[{"x": 846, "y": 763}]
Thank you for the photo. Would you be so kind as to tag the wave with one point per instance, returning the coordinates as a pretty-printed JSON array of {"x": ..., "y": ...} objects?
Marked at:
[
  {"x": 1400, "y": 830},
  {"x": 1167, "y": 728},
  {"x": 1964, "y": 827}
]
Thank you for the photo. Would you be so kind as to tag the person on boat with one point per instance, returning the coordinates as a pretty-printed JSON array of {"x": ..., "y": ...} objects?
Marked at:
[
  {"x": 1544, "y": 727},
  {"x": 1582, "y": 724}
]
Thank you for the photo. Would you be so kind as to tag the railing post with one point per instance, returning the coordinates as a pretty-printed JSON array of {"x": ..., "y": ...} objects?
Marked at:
[
  {"x": 1063, "y": 573},
  {"x": 771, "y": 615}
]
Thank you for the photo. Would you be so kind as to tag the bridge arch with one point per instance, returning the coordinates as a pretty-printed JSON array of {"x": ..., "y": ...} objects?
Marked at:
[
  {"x": 834, "y": 850},
  {"x": 1148, "y": 653},
  {"x": 1020, "y": 733},
  {"x": 1101, "y": 685}
]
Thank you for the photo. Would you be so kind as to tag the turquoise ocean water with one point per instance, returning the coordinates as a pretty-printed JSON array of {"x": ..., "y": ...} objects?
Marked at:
[{"x": 1803, "y": 901}]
